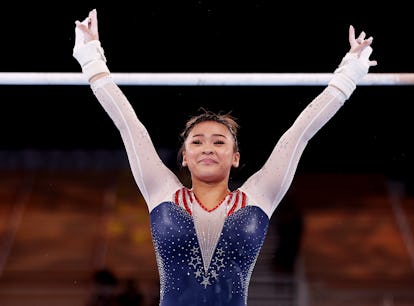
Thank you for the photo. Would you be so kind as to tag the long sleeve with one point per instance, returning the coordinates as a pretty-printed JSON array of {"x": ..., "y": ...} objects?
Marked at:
[
  {"x": 156, "y": 182},
  {"x": 267, "y": 186}
]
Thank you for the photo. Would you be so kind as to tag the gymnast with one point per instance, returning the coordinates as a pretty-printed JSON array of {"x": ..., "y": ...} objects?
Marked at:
[{"x": 207, "y": 237}]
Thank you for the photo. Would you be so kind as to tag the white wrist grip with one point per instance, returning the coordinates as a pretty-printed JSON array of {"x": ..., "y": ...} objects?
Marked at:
[
  {"x": 343, "y": 83},
  {"x": 91, "y": 57},
  {"x": 351, "y": 71}
]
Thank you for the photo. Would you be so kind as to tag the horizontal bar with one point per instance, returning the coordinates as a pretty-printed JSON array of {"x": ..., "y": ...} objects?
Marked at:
[{"x": 202, "y": 79}]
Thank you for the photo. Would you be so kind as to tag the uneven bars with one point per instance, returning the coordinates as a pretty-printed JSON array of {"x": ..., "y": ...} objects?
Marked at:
[{"x": 202, "y": 79}]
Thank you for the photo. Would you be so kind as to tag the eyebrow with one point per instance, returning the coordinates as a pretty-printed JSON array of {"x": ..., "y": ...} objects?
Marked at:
[{"x": 216, "y": 135}]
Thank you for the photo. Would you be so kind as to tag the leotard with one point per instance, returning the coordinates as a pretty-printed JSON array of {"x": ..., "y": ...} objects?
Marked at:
[{"x": 206, "y": 257}]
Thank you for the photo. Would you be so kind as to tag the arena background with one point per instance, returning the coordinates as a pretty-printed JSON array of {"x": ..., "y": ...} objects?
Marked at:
[{"x": 352, "y": 173}]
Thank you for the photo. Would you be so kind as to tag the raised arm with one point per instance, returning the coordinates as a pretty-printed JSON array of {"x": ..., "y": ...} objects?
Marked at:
[
  {"x": 267, "y": 187},
  {"x": 155, "y": 181}
]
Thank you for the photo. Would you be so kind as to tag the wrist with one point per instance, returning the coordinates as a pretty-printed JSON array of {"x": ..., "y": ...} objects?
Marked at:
[
  {"x": 92, "y": 59},
  {"x": 343, "y": 83},
  {"x": 89, "y": 52},
  {"x": 94, "y": 68}
]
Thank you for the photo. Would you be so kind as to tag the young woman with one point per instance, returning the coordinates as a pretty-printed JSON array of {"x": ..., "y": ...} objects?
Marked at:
[{"x": 207, "y": 238}]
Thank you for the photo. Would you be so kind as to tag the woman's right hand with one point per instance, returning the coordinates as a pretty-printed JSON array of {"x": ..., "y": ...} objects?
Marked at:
[
  {"x": 87, "y": 30},
  {"x": 87, "y": 49}
]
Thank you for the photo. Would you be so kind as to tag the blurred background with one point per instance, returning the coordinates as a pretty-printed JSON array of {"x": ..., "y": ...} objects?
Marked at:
[{"x": 73, "y": 225}]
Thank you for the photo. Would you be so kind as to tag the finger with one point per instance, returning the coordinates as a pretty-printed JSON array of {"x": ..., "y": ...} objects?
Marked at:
[
  {"x": 79, "y": 34},
  {"x": 94, "y": 21},
  {"x": 81, "y": 26},
  {"x": 372, "y": 63},
  {"x": 86, "y": 21},
  {"x": 366, "y": 42},
  {"x": 351, "y": 35},
  {"x": 369, "y": 40},
  {"x": 361, "y": 36}
]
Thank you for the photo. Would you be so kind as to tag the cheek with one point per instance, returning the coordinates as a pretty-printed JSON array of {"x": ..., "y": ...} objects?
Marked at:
[
  {"x": 189, "y": 155},
  {"x": 229, "y": 156}
]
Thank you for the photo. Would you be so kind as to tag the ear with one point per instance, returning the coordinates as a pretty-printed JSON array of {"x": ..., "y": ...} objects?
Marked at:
[
  {"x": 184, "y": 162},
  {"x": 236, "y": 159}
]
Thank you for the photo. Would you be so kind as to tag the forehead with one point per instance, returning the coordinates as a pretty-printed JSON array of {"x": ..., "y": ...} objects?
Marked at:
[{"x": 209, "y": 127}]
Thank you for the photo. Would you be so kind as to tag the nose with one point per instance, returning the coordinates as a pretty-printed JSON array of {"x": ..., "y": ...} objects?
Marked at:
[{"x": 207, "y": 149}]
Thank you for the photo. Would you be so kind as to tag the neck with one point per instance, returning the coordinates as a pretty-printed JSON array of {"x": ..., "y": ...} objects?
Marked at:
[{"x": 210, "y": 194}]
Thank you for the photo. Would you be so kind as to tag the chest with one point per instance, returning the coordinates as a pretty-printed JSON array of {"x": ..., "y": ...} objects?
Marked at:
[{"x": 241, "y": 234}]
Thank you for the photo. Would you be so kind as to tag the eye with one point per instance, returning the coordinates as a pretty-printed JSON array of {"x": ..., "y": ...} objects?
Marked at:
[
  {"x": 196, "y": 141},
  {"x": 219, "y": 142}
]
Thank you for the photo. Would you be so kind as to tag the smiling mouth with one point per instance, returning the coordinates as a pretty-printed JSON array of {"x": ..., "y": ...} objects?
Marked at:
[{"x": 208, "y": 161}]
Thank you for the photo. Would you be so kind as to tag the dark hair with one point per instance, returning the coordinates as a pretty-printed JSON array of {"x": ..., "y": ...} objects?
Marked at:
[{"x": 224, "y": 118}]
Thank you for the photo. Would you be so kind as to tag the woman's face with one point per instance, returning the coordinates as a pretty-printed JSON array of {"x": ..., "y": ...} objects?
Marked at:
[{"x": 209, "y": 152}]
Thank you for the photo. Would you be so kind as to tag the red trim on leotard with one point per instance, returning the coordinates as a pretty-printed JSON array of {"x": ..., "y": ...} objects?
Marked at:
[
  {"x": 244, "y": 199},
  {"x": 185, "y": 197},
  {"x": 235, "y": 204},
  {"x": 205, "y": 208}
]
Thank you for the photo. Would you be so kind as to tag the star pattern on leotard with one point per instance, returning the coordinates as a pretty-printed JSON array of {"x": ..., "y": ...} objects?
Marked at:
[
  {"x": 214, "y": 274},
  {"x": 220, "y": 252},
  {"x": 219, "y": 263},
  {"x": 205, "y": 278},
  {"x": 206, "y": 281},
  {"x": 198, "y": 273},
  {"x": 194, "y": 250},
  {"x": 195, "y": 261}
]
